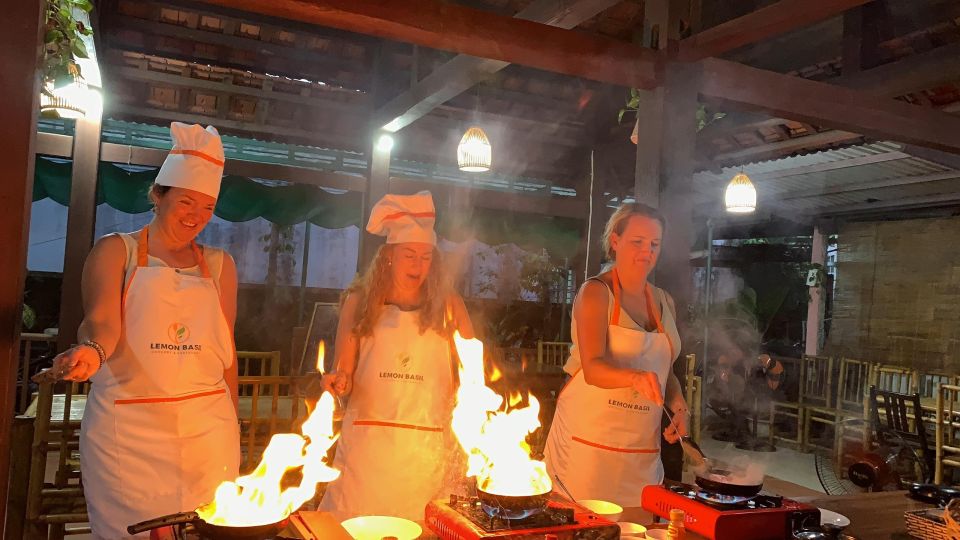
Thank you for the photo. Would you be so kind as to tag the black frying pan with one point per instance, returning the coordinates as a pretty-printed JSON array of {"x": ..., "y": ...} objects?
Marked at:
[
  {"x": 214, "y": 532},
  {"x": 513, "y": 506}
]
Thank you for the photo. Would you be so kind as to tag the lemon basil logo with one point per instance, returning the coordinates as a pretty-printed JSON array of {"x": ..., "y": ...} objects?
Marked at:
[
  {"x": 403, "y": 370},
  {"x": 634, "y": 394},
  {"x": 178, "y": 333},
  {"x": 179, "y": 336}
]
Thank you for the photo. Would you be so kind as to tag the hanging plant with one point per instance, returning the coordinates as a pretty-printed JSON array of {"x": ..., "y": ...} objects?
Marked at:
[
  {"x": 704, "y": 116},
  {"x": 63, "y": 42}
]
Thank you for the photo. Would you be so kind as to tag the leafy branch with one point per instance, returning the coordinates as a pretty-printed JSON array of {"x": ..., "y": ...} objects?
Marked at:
[
  {"x": 704, "y": 117},
  {"x": 63, "y": 42}
]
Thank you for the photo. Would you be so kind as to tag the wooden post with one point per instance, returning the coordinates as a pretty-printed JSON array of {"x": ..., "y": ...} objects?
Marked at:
[
  {"x": 815, "y": 308},
  {"x": 378, "y": 185},
  {"x": 81, "y": 217},
  {"x": 20, "y": 53}
]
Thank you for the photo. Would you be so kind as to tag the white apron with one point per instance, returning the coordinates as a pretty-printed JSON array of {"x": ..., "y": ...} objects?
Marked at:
[
  {"x": 605, "y": 443},
  {"x": 394, "y": 442},
  {"x": 159, "y": 431}
]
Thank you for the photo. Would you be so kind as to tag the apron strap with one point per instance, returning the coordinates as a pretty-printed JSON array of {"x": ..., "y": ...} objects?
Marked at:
[
  {"x": 143, "y": 243},
  {"x": 652, "y": 313}
]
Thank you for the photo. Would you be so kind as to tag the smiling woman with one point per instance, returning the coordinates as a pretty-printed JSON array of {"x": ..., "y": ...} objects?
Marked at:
[{"x": 157, "y": 342}]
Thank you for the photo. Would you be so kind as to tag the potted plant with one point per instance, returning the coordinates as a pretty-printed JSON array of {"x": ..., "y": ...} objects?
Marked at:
[{"x": 704, "y": 116}]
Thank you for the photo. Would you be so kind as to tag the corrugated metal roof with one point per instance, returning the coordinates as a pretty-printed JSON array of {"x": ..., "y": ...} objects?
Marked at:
[{"x": 827, "y": 182}]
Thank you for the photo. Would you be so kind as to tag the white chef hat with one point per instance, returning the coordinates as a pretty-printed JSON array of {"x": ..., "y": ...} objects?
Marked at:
[
  {"x": 196, "y": 160},
  {"x": 404, "y": 218}
]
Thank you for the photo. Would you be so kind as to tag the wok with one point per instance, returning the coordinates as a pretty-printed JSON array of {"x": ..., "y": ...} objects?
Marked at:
[
  {"x": 710, "y": 480},
  {"x": 207, "y": 530},
  {"x": 512, "y": 506}
]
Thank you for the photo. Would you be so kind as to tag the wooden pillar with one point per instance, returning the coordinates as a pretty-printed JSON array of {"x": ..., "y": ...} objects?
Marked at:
[
  {"x": 681, "y": 85},
  {"x": 378, "y": 185},
  {"x": 815, "y": 308},
  {"x": 20, "y": 53},
  {"x": 81, "y": 218}
]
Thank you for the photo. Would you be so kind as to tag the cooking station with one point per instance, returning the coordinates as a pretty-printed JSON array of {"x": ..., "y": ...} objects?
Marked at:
[{"x": 466, "y": 518}]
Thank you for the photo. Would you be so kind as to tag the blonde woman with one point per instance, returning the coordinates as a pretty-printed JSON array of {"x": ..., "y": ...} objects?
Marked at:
[
  {"x": 604, "y": 442},
  {"x": 393, "y": 357}
]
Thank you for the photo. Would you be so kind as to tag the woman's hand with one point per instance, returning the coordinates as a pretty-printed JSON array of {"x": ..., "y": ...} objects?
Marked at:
[
  {"x": 679, "y": 427},
  {"x": 337, "y": 383},
  {"x": 648, "y": 385},
  {"x": 77, "y": 363}
]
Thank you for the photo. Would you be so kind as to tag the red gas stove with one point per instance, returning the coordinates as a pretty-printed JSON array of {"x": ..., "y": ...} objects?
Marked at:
[
  {"x": 764, "y": 517},
  {"x": 463, "y": 518}
]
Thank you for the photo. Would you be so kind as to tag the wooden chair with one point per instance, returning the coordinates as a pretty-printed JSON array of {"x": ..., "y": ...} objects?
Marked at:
[
  {"x": 891, "y": 417},
  {"x": 257, "y": 363},
  {"x": 849, "y": 402},
  {"x": 268, "y": 405},
  {"x": 553, "y": 353},
  {"x": 53, "y": 505},
  {"x": 32, "y": 347},
  {"x": 947, "y": 432},
  {"x": 813, "y": 381},
  {"x": 897, "y": 379}
]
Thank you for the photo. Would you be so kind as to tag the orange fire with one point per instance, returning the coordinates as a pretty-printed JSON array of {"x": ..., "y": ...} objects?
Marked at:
[
  {"x": 259, "y": 497},
  {"x": 493, "y": 433}
]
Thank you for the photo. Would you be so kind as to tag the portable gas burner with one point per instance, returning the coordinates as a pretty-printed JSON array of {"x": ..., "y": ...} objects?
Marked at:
[
  {"x": 464, "y": 518},
  {"x": 720, "y": 517}
]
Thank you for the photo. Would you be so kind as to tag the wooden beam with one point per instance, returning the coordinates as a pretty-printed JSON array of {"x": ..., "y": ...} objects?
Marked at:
[
  {"x": 570, "y": 207},
  {"x": 446, "y": 26},
  {"x": 907, "y": 203},
  {"x": 735, "y": 85},
  {"x": 20, "y": 54},
  {"x": 54, "y": 145},
  {"x": 866, "y": 186},
  {"x": 764, "y": 23},
  {"x": 789, "y": 146}
]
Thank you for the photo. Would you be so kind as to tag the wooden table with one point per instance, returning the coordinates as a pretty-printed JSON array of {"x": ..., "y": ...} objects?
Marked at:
[{"x": 872, "y": 515}]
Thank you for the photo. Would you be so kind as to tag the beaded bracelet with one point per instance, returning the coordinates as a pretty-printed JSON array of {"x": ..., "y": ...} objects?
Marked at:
[{"x": 96, "y": 346}]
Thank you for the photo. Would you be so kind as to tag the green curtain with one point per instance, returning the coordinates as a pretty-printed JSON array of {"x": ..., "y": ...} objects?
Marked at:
[{"x": 243, "y": 199}]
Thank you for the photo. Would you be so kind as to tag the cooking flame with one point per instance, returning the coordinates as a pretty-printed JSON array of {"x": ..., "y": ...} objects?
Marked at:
[
  {"x": 494, "y": 433},
  {"x": 259, "y": 498},
  {"x": 321, "y": 353}
]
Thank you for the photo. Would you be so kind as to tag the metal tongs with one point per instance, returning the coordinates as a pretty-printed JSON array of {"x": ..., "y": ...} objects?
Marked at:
[{"x": 690, "y": 447}]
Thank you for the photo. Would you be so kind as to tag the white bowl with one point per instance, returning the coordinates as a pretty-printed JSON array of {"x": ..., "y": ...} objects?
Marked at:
[
  {"x": 604, "y": 509},
  {"x": 641, "y": 536},
  {"x": 829, "y": 517},
  {"x": 631, "y": 529},
  {"x": 377, "y": 527},
  {"x": 656, "y": 534}
]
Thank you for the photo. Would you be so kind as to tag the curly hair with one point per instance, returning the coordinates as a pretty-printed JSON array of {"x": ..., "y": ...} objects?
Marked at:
[{"x": 374, "y": 285}]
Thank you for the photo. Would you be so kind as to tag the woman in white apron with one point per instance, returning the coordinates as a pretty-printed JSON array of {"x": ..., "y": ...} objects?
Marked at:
[
  {"x": 159, "y": 431},
  {"x": 604, "y": 442},
  {"x": 393, "y": 358}
]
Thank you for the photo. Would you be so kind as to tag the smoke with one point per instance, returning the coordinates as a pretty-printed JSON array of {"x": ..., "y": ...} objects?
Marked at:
[{"x": 732, "y": 466}]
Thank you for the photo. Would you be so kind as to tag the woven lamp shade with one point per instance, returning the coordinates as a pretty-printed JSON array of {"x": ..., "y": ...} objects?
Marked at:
[
  {"x": 474, "y": 153},
  {"x": 70, "y": 101},
  {"x": 740, "y": 196}
]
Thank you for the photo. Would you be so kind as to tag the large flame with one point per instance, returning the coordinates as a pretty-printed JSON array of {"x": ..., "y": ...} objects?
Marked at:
[
  {"x": 259, "y": 498},
  {"x": 494, "y": 433}
]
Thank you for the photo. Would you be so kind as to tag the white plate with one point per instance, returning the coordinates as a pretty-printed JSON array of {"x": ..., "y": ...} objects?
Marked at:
[
  {"x": 829, "y": 517},
  {"x": 377, "y": 527}
]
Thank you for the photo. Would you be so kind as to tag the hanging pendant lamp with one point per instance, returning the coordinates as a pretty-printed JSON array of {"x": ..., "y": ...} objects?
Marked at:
[
  {"x": 69, "y": 101},
  {"x": 740, "y": 196},
  {"x": 474, "y": 153}
]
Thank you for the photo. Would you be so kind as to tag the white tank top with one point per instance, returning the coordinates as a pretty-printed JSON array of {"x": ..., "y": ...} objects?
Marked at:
[{"x": 213, "y": 256}]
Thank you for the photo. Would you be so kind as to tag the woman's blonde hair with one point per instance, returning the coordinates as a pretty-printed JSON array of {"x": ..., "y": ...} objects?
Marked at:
[
  {"x": 618, "y": 222},
  {"x": 374, "y": 285}
]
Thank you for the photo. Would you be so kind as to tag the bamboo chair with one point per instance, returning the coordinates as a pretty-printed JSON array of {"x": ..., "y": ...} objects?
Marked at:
[
  {"x": 899, "y": 379},
  {"x": 257, "y": 363},
  {"x": 850, "y": 402},
  {"x": 947, "y": 432},
  {"x": 32, "y": 346},
  {"x": 268, "y": 405},
  {"x": 553, "y": 353},
  {"x": 52, "y": 506},
  {"x": 813, "y": 375}
]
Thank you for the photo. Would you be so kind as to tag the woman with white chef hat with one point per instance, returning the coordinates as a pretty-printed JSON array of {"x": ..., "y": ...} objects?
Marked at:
[
  {"x": 393, "y": 357},
  {"x": 159, "y": 431}
]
